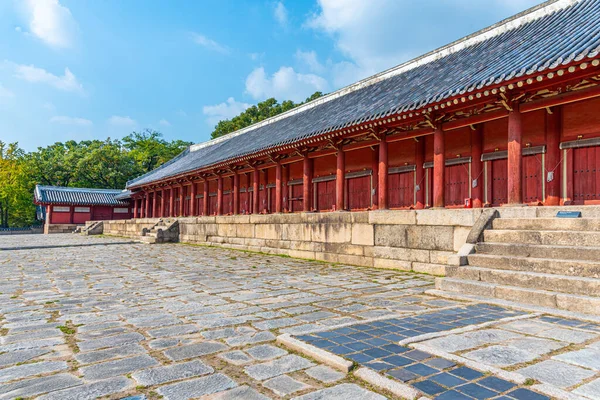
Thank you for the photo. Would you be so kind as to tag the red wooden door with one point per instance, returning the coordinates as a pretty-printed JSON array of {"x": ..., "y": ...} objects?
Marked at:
[
  {"x": 401, "y": 190},
  {"x": 586, "y": 175},
  {"x": 359, "y": 193},
  {"x": 296, "y": 199},
  {"x": 499, "y": 181},
  {"x": 227, "y": 203},
  {"x": 457, "y": 184},
  {"x": 245, "y": 203},
  {"x": 212, "y": 204},
  {"x": 271, "y": 192},
  {"x": 532, "y": 179},
  {"x": 262, "y": 200},
  {"x": 326, "y": 195},
  {"x": 103, "y": 213}
]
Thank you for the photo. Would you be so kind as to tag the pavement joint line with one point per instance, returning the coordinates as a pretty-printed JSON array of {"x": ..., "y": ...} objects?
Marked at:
[
  {"x": 515, "y": 305},
  {"x": 381, "y": 382},
  {"x": 469, "y": 328},
  {"x": 318, "y": 354},
  {"x": 381, "y": 318},
  {"x": 508, "y": 375}
]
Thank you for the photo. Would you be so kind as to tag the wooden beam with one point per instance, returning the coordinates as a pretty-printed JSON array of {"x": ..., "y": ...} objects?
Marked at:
[
  {"x": 409, "y": 134},
  {"x": 564, "y": 98},
  {"x": 474, "y": 120}
]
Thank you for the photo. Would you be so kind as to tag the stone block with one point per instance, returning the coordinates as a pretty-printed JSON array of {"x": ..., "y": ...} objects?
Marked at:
[
  {"x": 556, "y": 373},
  {"x": 400, "y": 253},
  {"x": 460, "y": 236},
  {"x": 523, "y": 295},
  {"x": 307, "y": 246},
  {"x": 309, "y": 255},
  {"x": 391, "y": 235},
  {"x": 280, "y": 366},
  {"x": 440, "y": 257},
  {"x": 582, "y": 304},
  {"x": 343, "y": 391},
  {"x": 393, "y": 217},
  {"x": 448, "y": 217},
  {"x": 331, "y": 232},
  {"x": 428, "y": 268},
  {"x": 430, "y": 237},
  {"x": 267, "y": 231},
  {"x": 284, "y": 385},
  {"x": 197, "y": 387},
  {"x": 118, "y": 367},
  {"x": 244, "y": 230},
  {"x": 342, "y": 248},
  {"x": 325, "y": 374},
  {"x": 392, "y": 264},
  {"x": 341, "y": 217},
  {"x": 174, "y": 372},
  {"x": 355, "y": 260},
  {"x": 363, "y": 234},
  {"x": 91, "y": 391},
  {"x": 360, "y": 217},
  {"x": 301, "y": 232}
]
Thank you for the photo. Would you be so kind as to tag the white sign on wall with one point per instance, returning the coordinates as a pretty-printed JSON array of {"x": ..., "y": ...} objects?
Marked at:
[
  {"x": 61, "y": 209},
  {"x": 121, "y": 210},
  {"x": 82, "y": 209}
]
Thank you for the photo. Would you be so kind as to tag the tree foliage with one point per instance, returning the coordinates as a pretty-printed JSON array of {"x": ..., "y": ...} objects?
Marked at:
[
  {"x": 105, "y": 164},
  {"x": 261, "y": 111}
]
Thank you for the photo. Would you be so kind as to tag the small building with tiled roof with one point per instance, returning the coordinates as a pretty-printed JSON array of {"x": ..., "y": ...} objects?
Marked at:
[{"x": 67, "y": 207}]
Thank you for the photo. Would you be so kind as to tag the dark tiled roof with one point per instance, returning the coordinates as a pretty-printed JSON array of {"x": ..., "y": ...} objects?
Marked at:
[
  {"x": 544, "y": 37},
  {"x": 124, "y": 195},
  {"x": 78, "y": 196}
]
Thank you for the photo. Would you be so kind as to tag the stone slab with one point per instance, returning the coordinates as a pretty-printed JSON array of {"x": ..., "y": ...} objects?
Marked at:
[
  {"x": 344, "y": 391},
  {"x": 196, "y": 387},
  {"x": 157, "y": 376},
  {"x": 325, "y": 374},
  {"x": 36, "y": 386},
  {"x": 266, "y": 352},
  {"x": 118, "y": 367},
  {"x": 27, "y": 370},
  {"x": 284, "y": 385},
  {"x": 280, "y": 366},
  {"x": 194, "y": 350},
  {"x": 556, "y": 373},
  {"x": 588, "y": 358},
  {"x": 92, "y": 390}
]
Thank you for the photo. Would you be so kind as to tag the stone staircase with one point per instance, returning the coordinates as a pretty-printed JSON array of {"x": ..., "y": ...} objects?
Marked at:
[
  {"x": 550, "y": 262},
  {"x": 164, "y": 231}
]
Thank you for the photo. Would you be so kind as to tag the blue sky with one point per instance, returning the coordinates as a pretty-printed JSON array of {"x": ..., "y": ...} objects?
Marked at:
[{"x": 84, "y": 69}]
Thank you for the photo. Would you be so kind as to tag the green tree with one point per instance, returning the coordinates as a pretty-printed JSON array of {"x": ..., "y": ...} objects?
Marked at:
[
  {"x": 263, "y": 110},
  {"x": 16, "y": 188},
  {"x": 149, "y": 150}
]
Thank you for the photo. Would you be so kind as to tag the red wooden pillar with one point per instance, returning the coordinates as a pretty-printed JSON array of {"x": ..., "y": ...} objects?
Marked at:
[
  {"x": 553, "y": 129},
  {"x": 236, "y": 193},
  {"x": 193, "y": 200},
  {"x": 154, "y": 204},
  {"x": 383, "y": 174},
  {"x": 340, "y": 177},
  {"x": 278, "y": 187},
  {"x": 147, "y": 205},
  {"x": 219, "y": 195},
  {"x": 307, "y": 177},
  {"x": 135, "y": 208},
  {"x": 205, "y": 197},
  {"x": 171, "y": 201},
  {"x": 181, "y": 201},
  {"x": 255, "y": 189},
  {"x": 439, "y": 166},
  {"x": 375, "y": 179},
  {"x": 284, "y": 187},
  {"x": 420, "y": 173},
  {"x": 477, "y": 166},
  {"x": 71, "y": 211},
  {"x": 162, "y": 204},
  {"x": 515, "y": 157},
  {"x": 265, "y": 175}
]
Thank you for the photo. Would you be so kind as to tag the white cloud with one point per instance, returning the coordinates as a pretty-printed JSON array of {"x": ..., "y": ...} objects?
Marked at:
[
  {"x": 63, "y": 120},
  {"x": 117, "y": 120},
  {"x": 225, "y": 110},
  {"x": 281, "y": 14},
  {"x": 164, "y": 122},
  {"x": 310, "y": 59},
  {"x": 375, "y": 35},
  {"x": 209, "y": 43},
  {"x": 51, "y": 22},
  {"x": 5, "y": 93},
  {"x": 68, "y": 82},
  {"x": 285, "y": 84}
]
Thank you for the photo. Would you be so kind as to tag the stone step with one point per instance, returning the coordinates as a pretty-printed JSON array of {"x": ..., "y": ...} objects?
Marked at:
[
  {"x": 559, "y": 238},
  {"x": 539, "y": 251},
  {"x": 534, "y": 280},
  {"x": 548, "y": 224},
  {"x": 582, "y": 268},
  {"x": 545, "y": 298},
  {"x": 148, "y": 239}
]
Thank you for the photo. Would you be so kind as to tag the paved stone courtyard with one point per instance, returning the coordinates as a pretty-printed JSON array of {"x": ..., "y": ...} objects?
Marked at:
[{"x": 85, "y": 318}]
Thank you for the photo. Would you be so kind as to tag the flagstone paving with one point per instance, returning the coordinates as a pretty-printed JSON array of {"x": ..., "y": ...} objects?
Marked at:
[{"x": 88, "y": 317}]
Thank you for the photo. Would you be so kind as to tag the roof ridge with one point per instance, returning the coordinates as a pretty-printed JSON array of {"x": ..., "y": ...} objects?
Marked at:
[
  {"x": 68, "y": 188},
  {"x": 512, "y": 22}
]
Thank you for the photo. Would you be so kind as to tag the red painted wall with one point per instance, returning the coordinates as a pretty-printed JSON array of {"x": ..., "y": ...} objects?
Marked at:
[{"x": 581, "y": 118}]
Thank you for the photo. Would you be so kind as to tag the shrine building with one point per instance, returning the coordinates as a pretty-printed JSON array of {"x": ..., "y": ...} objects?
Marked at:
[
  {"x": 66, "y": 207},
  {"x": 509, "y": 115}
]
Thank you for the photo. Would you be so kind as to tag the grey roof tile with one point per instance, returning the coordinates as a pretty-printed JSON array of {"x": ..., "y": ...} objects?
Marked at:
[{"x": 78, "y": 196}]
